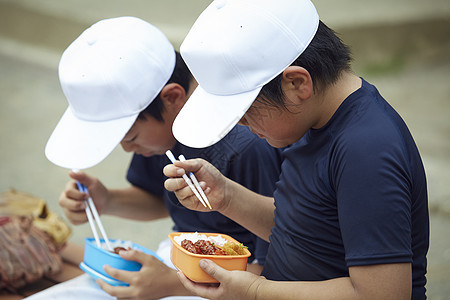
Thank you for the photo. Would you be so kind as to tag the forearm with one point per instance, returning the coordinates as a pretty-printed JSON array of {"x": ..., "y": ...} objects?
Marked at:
[
  {"x": 251, "y": 210},
  {"x": 384, "y": 281},
  {"x": 174, "y": 286},
  {"x": 255, "y": 268},
  {"x": 135, "y": 203},
  {"x": 338, "y": 288},
  {"x": 163, "y": 283}
]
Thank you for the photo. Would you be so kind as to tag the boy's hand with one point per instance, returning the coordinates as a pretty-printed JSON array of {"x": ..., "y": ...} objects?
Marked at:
[
  {"x": 73, "y": 201},
  {"x": 211, "y": 180},
  {"x": 232, "y": 284},
  {"x": 154, "y": 281}
]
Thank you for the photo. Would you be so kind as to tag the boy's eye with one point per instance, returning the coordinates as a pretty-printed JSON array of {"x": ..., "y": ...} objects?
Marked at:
[{"x": 131, "y": 140}]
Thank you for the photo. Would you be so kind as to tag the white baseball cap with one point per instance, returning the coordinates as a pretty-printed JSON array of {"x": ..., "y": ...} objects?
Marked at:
[
  {"x": 233, "y": 49},
  {"x": 109, "y": 74}
]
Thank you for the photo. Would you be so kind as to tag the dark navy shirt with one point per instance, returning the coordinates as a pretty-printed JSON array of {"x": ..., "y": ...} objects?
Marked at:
[
  {"x": 240, "y": 156},
  {"x": 351, "y": 193}
]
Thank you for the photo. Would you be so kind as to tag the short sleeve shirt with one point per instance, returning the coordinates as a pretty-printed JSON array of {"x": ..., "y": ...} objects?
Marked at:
[{"x": 351, "y": 193}]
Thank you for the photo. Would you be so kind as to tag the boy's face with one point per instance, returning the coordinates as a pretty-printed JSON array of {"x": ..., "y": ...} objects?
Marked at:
[
  {"x": 280, "y": 127},
  {"x": 283, "y": 126},
  {"x": 149, "y": 137}
]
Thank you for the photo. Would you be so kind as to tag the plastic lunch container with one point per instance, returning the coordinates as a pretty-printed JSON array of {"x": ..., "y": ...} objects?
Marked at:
[
  {"x": 95, "y": 258},
  {"x": 187, "y": 262}
]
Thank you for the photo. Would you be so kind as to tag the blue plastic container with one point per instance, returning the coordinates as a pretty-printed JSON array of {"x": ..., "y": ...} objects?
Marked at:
[{"x": 95, "y": 258}]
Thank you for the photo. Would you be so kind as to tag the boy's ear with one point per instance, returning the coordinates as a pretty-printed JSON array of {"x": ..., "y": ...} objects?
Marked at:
[
  {"x": 173, "y": 96},
  {"x": 297, "y": 79}
]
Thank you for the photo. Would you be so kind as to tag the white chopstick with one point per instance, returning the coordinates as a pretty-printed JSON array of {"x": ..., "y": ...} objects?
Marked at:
[
  {"x": 188, "y": 181},
  {"x": 97, "y": 219},
  {"x": 92, "y": 214},
  {"x": 197, "y": 185}
]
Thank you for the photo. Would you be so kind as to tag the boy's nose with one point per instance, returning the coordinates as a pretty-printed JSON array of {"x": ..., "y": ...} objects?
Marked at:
[{"x": 127, "y": 147}]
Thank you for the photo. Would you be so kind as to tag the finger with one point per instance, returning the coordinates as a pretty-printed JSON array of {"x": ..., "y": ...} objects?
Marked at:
[
  {"x": 183, "y": 192},
  {"x": 203, "y": 290},
  {"x": 178, "y": 168},
  {"x": 175, "y": 184},
  {"x": 71, "y": 204},
  {"x": 190, "y": 165},
  {"x": 76, "y": 218},
  {"x": 115, "y": 291},
  {"x": 173, "y": 171},
  {"x": 204, "y": 186},
  {"x": 83, "y": 178},
  {"x": 136, "y": 255},
  {"x": 71, "y": 192},
  {"x": 125, "y": 276},
  {"x": 214, "y": 270},
  {"x": 71, "y": 185},
  {"x": 75, "y": 194},
  {"x": 79, "y": 176},
  {"x": 189, "y": 284}
]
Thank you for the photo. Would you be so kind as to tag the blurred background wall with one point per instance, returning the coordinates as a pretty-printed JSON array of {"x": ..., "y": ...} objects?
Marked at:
[{"x": 402, "y": 46}]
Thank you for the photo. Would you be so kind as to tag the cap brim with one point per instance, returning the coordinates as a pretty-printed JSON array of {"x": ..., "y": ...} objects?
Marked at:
[
  {"x": 79, "y": 144},
  {"x": 206, "y": 118}
]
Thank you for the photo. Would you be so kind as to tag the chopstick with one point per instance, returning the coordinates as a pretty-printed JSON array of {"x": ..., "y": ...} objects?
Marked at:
[
  {"x": 197, "y": 185},
  {"x": 92, "y": 214},
  {"x": 188, "y": 181}
]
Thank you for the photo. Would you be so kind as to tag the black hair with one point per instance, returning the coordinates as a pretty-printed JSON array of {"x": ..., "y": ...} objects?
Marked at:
[
  {"x": 325, "y": 58},
  {"x": 180, "y": 75}
]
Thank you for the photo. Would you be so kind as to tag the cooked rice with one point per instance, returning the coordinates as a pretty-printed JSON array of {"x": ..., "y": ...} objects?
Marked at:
[{"x": 193, "y": 237}]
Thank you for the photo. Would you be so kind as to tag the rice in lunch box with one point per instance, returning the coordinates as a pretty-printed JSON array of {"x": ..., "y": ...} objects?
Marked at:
[{"x": 193, "y": 237}]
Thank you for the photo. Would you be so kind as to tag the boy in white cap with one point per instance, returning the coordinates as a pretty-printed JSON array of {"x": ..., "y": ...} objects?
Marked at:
[
  {"x": 125, "y": 84},
  {"x": 351, "y": 214}
]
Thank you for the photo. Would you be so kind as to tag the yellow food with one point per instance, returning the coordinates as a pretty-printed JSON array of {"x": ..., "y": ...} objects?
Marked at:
[{"x": 231, "y": 248}]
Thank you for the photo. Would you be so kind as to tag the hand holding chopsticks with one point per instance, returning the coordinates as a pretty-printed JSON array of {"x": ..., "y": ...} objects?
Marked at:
[
  {"x": 92, "y": 214},
  {"x": 193, "y": 183}
]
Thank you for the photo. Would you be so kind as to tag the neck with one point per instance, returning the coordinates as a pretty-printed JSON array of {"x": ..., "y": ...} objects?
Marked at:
[{"x": 334, "y": 95}]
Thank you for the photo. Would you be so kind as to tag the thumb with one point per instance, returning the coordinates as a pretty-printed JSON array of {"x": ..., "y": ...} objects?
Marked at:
[
  {"x": 191, "y": 165},
  {"x": 134, "y": 255},
  {"x": 213, "y": 269}
]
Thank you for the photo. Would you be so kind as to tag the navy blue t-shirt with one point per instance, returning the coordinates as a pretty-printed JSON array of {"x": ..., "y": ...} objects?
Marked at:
[
  {"x": 351, "y": 193},
  {"x": 240, "y": 156}
]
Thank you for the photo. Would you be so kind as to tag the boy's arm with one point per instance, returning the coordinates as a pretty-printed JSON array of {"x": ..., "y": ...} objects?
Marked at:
[
  {"x": 136, "y": 204},
  {"x": 251, "y": 210},
  {"x": 385, "y": 281}
]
